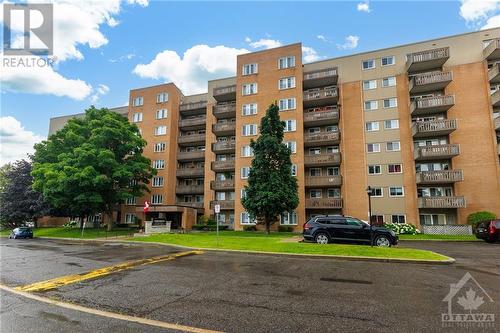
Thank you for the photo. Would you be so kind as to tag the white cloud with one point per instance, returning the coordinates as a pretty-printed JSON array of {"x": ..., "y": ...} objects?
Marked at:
[
  {"x": 363, "y": 7},
  {"x": 493, "y": 22},
  {"x": 143, "y": 3},
  {"x": 481, "y": 13},
  {"x": 127, "y": 56},
  {"x": 101, "y": 90},
  {"x": 309, "y": 54},
  {"x": 263, "y": 43},
  {"x": 351, "y": 42},
  {"x": 15, "y": 141},
  {"x": 321, "y": 37},
  {"x": 194, "y": 68}
]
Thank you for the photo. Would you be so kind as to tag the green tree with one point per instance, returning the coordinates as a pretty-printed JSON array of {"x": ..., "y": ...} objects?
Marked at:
[
  {"x": 271, "y": 190},
  {"x": 91, "y": 165},
  {"x": 475, "y": 218}
]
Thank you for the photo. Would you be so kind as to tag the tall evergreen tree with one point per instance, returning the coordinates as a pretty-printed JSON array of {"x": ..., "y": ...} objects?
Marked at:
[{"x": 271, "y": 190}]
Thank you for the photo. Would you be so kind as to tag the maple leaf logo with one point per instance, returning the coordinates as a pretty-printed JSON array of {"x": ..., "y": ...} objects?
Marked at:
[{"x": 470, "y": 301}]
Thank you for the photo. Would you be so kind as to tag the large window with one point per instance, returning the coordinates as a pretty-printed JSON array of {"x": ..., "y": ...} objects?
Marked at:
[
  {"x": 369, "y": 84},
  {"x": 159, "y": 147},
  {"x": 161, "y": 114},
  {"x": 286, "y": 82},
  {"x": 289, "y": 218},
  {"x": 249, "y": 89},
  {"x": 292, "y": 145},
  {"x": 160, "y": 130},
  {"x": 249, "y": 129},
  {"x": 390, "y": 102},
  {"x": 246, "y": 151},
  {"x": 156, "y": 199},
  {"x": 287, "y": 104},
  {"x": 137, "y": 117},
  {"x": 395, "y": 168},
  {"x": 250, "y": 69},
  {"x": 159, "y": 164},
  {"x": 138, "y": 101},
  {"x": 130, "y": 218},
  {"x": 245, "y": 218},
  {"x": 245, "y": 171},
  {"x": 249, "y": 109},
  {"x": 388, "y": 61},
  {"x": 391, "y": 124},
  {"x": 396, "y": 191},
  {"x": 372, "y": 126},
  {"x": 377, "y": 192},
  {"x": 286, "y": 62},
  {"x": 131, "y": 201},
  {"x": 368, "y": 64},
  {"x": 290, "y": 125},
  {"x": 398, "y": 218},
  {"x": 389, "y": 81},
  {"x": 157, "y": 181},
  {"x": 162, "y": 97},
  {"x": 393, "y": 146},
  {"x": 371, "y": 105},
  {"x": 374, "y": 169},
  {"x": 373, "y": 147}
]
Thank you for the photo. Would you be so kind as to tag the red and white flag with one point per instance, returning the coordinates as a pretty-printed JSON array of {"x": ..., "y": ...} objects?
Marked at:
[{"x": 146, "y": 207}]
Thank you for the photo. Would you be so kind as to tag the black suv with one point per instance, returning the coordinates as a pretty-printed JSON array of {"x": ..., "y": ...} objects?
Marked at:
[{"x": 324, "y": 229}]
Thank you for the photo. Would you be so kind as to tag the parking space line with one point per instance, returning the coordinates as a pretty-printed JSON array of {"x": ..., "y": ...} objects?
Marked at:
[
  {"x": 69, "y": 279},
  {"x": 108, "y": 314}
]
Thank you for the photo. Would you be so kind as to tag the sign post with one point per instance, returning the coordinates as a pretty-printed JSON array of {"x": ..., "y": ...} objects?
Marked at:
[{"x": 217, "y": 211}]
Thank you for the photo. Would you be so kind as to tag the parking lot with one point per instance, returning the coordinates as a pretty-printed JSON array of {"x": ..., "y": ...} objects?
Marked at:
[{"x": 233, "y": 292}]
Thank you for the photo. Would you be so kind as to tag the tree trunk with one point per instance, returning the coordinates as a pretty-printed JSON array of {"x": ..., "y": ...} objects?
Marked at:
[
  {"x": 268, "y": 225},
  {"x": 82, "y": 220},
  {"x": 109, "y": 215}
]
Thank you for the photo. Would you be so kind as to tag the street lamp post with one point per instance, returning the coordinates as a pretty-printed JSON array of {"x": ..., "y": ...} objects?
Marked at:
[{"x": 369, "y": 193}]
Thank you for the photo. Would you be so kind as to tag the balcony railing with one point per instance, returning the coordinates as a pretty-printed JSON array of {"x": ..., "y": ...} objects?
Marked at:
[
  {"x": 430, "y": 81},
  {"x": 434, "y": 128},
  {"x": 439, "y": 177},
  {"x": 496, "y": 122},
  {"x": 321, "y": 117},
  {"x": 224, "y": 204},
  {"x": 321, "y": 77},
  {"x": 190, "y": 172},
  {"x": 436, "y": 152},
  {"x": 191, "y": 155},
  {"x": 184, "y": 139},
  {"x": 189, "y": 189},
  {"x": 495, "y": 98},
  {"x": 221, "y": 166},
  {"x": 315, "y": 94},
  {"x": 323, "y": 203},
  {"x": 432, "y": 104},
  {"x": 320, "y": 181},
  {"x": 190, "y": 204},
  {"x": 492, "y": 50},
  {"x": 223, "y": 146},
  {"x": 222, "y": 185},
  {"x": 322, "y": 138},
  {"x": 224, "y": 128},
  {"x": 494, "y": 74},
  {"x": 322, "y": 159},
  {"x": 193, "y": 106},
  {"x": 441, "y": 202},
  {"x": 193, "y": 122},
  {"x": 223, "y": 111},
  {"x": 429, "y": 59},
  {"x": 225, "y": 93}
]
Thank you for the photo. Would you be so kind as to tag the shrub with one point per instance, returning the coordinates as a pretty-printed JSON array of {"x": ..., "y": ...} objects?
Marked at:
[
  {"x": 69, "y": 224},
  {"x": 204, "y": 227},
  {"x": 402, "y": 228},
  {"x": 475, "y": 218},
  {"x": 249, "y": 228},
  {"x": 285, "y": 228}
]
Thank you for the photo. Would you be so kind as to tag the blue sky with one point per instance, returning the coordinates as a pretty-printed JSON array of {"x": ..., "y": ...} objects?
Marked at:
[{"x": 98, "y": 53}]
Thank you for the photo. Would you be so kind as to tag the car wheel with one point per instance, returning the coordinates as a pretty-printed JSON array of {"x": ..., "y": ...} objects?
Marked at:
[
  {"x": 382, "y": 241},
  {"x": 321, "y": 238}
]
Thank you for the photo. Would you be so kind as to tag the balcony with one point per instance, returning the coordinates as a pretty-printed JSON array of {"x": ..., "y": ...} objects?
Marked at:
[
  {"x": 223, "y": 166},
  {"x": 224, "y": 94},
  {"x": 438, "y": 152},
  {"x": 427, "y": 60},
  {"x": 189, "y": 189},
  {"x": 434, "y": 104},
  {"x": 494, "y": 74},
  {"x": 224, "y": 204},
  {"x": 225, "y": 111},
  {"x": 439, "y": 177},
  {"x": 321, "y": 116},
  {"x": 323, "y": 181},
  {"x": 496, "y": 123},
  {"x": 320, "y": 78},
  {"x": 441, "y": 202},
  {"x": 192, "y": 109},
  {"x": 189, "y": 140},
  {"x": 492, "y": 50},
  {"x": 192, "y": 124},
  {"x": 198, "y": 155},
  {"x": 321, "y": 139},
  {"x": 322, "y": 159},
  {"x": 224, "y": 147},
  {"x": 495, "y": 98},
  {"x": 498, "y": 149},
  {"x": 320, "y": 97},
  {"x": 190, "y": 172},
  {"x": 224, "y": 129},
  {"x": 425, "y": 129},
  {"x": 198, "y": 205},
  {"x": 323, "y": 203},
  {"x": 222, "y": 185},
  {"x": 427, "y": 82}
]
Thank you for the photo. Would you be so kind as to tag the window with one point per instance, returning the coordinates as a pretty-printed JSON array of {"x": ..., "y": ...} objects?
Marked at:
[
  {"x": 249, "y": 109},
  {"x": 246, "y": 151},
  {"x": 368, "y": 64},
  {"x": 369, "y": 84},
  {"x": 390, "y": 102},
  {"x": 131, "y": 201},
  {"x": 371, "y": 105},
  {"x": 138, "y": 101},
  {"x": 243, "y": 193},
  {"x": 245, "y": 219},
  {"x": 333, "y": 171},
  {"x": 159, "y": 147},
  {"x": 389, "y": 81},
  {"x": 393, "y": 146},
  {"x": 372, "y": 126},
  {"x": 396, "y": 191},
  {"x": 391, "y": 124},
  {"x": 398, "y": 218},
  {"x": 157, "y": 181},
  {"x": 290, "y": 125},
  {"x": 292, "y": 145},
  {"x": 156, "y": 199},
  {"x": 294, "y": 170},
  {"x": 286, "y": 62},
  {"x": 221, "y": 196},
  {"x": 289, "y": 218},
  {"x": 388, "y": 61},
  {"x": 130, "y": 218},
  {"x": 313, "y": 130},
  {"x": 249, "y": 89},
  {"x": 315, "y": 193},
  {"x": 333, "y": 193},
  {"x": 315, "y": 172},
  {"x": 250, "y": 69},
  {"x": 394, "y": 168},
  {"x": 377, "y": 192},
  {"x": 159, "y": 164},
  {"x": 160, "y": 130},
  {"x": 162, "y": 97},
  {"x": 161, "y": 114},
  {"x": 374, "y": 170},
  {"x": 287, "y": 104},
  {"x": 245, "y": 171},
  {"x": 373, "y": 147},
  {"x": 137, "y": 117},
  {"x": 377, "y": 219},
  {"x": 286, "y": 82},
  {"x": 249, "y": 129}
]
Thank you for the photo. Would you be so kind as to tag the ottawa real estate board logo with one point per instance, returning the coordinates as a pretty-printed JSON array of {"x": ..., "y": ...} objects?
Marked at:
[{"x": 469, "y": 305}]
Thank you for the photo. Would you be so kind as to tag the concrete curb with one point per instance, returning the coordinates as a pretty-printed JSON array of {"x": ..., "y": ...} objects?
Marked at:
[
  {"x": 448, "y": 261},
  {"x": 441, "y": 240}
]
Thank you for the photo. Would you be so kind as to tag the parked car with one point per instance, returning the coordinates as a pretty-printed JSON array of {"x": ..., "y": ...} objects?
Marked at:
[
  {"x": 22, "y": 232},
  {"x": 324, "y": 229},
  {"x": 488, "y": 231}
]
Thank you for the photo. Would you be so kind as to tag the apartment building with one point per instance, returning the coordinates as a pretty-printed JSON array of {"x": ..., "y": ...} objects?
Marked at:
[{"x": 417, "y": 123}]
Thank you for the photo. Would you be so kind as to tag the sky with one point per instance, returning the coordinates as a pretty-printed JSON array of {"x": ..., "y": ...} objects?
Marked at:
[{"x": 105, "y": 48}]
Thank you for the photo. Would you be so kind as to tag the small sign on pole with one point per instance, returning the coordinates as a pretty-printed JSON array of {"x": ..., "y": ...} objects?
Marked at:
[{"x": 217, "y": 211}]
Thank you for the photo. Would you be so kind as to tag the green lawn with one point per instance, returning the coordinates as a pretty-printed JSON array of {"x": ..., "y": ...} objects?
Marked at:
[
  {"x": 439, "y": 237},
  {"x": 75, "y": 233},
  {"x": 276, "y": 242}
]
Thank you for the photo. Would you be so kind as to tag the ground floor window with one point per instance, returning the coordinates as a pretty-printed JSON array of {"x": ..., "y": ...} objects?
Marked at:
[
  {"x": 377, "y": 219},
  {"x": 433, "y": 219},
  {"x": 289, "y": 218},
  {"x": 398, "y": 218},
  {"x": 130, "y": 218},
  {"x": 245, "y": 219}
]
